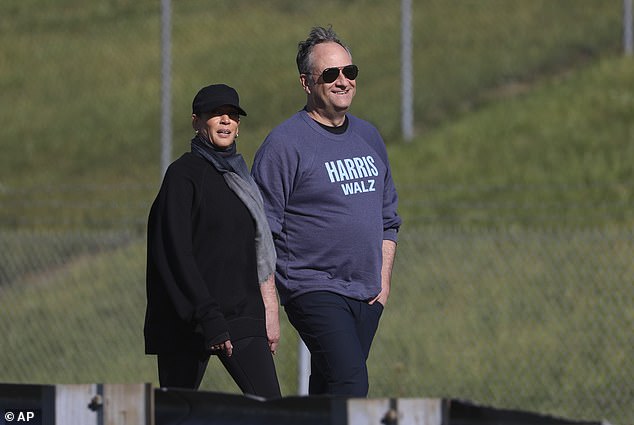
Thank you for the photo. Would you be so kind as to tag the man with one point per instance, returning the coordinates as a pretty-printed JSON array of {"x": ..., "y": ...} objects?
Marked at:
[{"x": 331, "y": 205}]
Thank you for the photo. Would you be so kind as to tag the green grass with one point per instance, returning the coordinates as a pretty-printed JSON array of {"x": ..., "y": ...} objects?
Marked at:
[
  {"x": 523, "y": 123},
  {"x": 535, "y": 320},
  {"x": 83, "y": 322},
  {"x": 82, "y": 83},
  {"x": 558, "y": 154},
  {"x": 544, "y": 315}
]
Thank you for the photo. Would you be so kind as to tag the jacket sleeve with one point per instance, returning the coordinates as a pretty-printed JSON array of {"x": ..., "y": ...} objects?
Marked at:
[{"x": 170, "y": 254}]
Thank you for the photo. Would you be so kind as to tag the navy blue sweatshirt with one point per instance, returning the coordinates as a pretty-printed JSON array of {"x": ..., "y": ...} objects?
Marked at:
[{"x": 330, "y": 202}]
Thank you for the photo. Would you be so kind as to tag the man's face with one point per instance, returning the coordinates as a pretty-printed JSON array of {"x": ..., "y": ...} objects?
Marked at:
[{"x": 335, "y": 97}]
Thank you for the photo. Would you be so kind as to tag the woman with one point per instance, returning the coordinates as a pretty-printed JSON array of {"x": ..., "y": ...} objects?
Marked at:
[{"x": 210, "y": 258}]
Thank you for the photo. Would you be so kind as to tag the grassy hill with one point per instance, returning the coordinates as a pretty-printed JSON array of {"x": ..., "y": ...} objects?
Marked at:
[
  {"x": 523, "y": 129},
  {"x": 81, "y": 83},
  {"x": 558, "y": 154}
]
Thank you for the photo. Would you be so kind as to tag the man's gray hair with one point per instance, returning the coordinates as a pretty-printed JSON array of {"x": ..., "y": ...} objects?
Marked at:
[{"x": 317, "y": 36}]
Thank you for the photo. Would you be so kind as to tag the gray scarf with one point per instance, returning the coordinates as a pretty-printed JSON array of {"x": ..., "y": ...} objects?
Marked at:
[{"x": 236, "y": 174}]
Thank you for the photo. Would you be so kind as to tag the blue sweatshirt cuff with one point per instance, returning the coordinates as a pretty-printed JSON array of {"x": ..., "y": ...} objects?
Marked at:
[{"x": 390, "y": 235}]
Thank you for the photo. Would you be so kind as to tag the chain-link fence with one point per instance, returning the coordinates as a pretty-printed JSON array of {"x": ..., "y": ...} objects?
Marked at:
[
  {"x": 530, "y": 319},
  {"x": 540, "y": 319},
  {"x": 535, "y": 317}
]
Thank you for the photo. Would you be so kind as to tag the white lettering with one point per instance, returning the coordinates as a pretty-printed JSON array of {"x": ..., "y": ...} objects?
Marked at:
[
  {"x": 332, "y": 171},
  {"x": 373, "y": 170},
  {"x": 360, "y": 166},
  {"x": 347, "y": 169},
  {"x": 352, "y": 171},
  {"x": 353, "y": 188},
  {"x": 343, "y": 174},
  {"x": 347, "y": 188},
  {"x": 22, "y": 417}
]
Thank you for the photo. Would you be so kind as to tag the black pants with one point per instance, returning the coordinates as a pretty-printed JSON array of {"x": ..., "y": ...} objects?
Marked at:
[
  {"x": 338, "y": 332},
  {"x": 251, "y": 366}
]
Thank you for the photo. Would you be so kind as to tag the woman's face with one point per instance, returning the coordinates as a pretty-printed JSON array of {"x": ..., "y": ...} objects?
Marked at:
[{"x": 219, "y": 126}]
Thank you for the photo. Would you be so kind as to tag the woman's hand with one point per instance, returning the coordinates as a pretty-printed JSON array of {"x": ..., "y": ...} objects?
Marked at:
[
  {"x": 225, "y": 347},
  {"x": 272, "y": 329}
]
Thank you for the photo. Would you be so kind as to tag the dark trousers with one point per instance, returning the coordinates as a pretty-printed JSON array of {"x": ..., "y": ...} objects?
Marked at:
[
  {"x": 251, "y": 366},
  {"x": 338, "y": 332}
]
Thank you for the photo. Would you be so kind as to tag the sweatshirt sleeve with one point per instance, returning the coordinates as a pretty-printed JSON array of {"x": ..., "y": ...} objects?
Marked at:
[
  {"x": 172, "y": 260},
  {"x": 274, "y": 171},
  {"x": 391, "y": 219}
]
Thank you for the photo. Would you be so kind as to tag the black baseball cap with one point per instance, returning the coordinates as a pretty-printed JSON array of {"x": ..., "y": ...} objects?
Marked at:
[{"x": 211, "y": 97}]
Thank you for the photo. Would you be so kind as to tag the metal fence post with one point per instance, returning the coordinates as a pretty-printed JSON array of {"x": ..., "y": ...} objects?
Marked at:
[
  {"x": 407, "y": 85},
  {"x": 166, "y": 85},
  {"x": 303, "y": 367},
  {"x": 628, "y": 38}
]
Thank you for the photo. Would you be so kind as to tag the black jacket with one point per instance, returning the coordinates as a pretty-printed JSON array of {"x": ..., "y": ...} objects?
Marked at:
[{"x": 202, "y": 284}]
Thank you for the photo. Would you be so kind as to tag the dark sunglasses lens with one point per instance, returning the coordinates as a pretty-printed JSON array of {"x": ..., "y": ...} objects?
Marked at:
[
  {"x": 350, "y": 72},
  {"x": 330, "y": 74}
]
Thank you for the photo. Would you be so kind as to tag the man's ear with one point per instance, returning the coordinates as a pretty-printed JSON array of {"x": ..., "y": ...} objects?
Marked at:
[
  {"x": 194, "y": 122},
  {"x": 305, "y": 82}
]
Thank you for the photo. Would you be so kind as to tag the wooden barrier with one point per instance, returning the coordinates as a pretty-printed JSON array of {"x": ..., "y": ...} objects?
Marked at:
[
  {"x": 84, "y": 404},
  {"x": 140, "y": 404}
]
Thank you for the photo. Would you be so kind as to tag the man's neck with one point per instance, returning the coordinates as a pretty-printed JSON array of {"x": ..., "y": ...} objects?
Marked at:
[{"x": 332, "y": 120}]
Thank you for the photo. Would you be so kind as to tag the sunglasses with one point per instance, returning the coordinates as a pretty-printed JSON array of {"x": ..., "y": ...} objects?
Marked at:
[{"x": 331, "y": 74}]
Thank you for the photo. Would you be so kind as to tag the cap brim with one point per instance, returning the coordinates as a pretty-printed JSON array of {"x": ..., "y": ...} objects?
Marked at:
[{"x": 209, "y": 107}]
